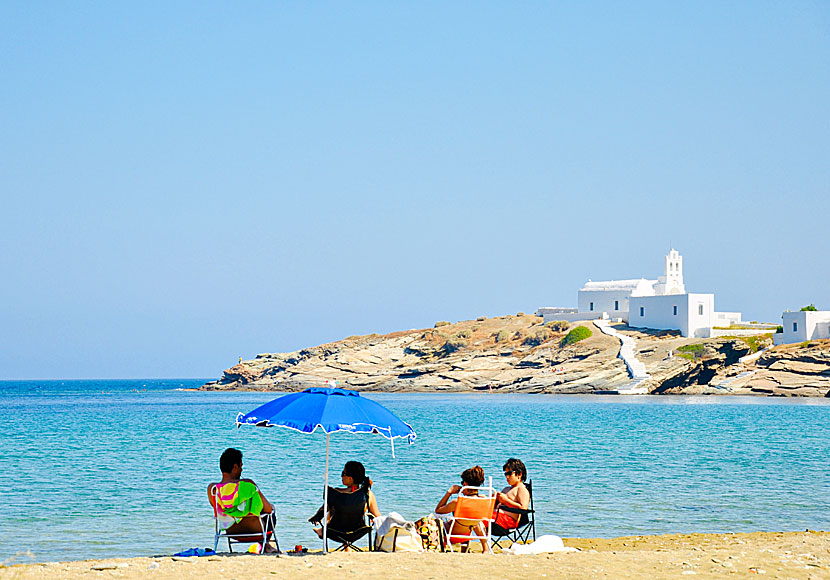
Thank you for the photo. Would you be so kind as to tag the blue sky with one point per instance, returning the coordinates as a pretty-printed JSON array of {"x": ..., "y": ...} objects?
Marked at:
[{"x": 186, "y": 183}]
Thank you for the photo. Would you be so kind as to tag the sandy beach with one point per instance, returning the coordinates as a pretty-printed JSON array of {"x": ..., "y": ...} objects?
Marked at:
[{"x": 800, "y": 555}]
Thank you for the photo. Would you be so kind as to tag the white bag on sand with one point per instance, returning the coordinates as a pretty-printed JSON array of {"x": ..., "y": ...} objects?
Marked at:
[
  {"x": 394, "y": 534},
  {"x": 543, "y": 545}
]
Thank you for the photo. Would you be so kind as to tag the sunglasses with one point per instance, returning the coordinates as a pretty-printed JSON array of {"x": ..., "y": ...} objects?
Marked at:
[{"x": 508, "y": 472}]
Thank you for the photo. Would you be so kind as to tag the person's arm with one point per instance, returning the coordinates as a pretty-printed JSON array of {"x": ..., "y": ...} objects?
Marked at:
[
  {"x": 373, "y": 504},
  {"x": 267, "y": 508},
  {"x": 445, "y": 506},
  {"x": 211, "y": 497}
]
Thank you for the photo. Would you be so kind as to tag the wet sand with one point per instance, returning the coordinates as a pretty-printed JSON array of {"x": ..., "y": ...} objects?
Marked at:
[{"x": 800, "y": 555}]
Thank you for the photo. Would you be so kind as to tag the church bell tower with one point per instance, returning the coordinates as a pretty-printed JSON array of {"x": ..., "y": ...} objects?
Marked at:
[{"x": 671, "y": 282}]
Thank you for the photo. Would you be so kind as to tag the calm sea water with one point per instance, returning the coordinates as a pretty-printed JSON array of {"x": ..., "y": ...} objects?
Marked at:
[{"x": 120, "y": 468}]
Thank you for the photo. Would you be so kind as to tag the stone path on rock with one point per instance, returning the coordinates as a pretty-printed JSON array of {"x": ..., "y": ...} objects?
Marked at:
[{"x": 636, "y": 368}]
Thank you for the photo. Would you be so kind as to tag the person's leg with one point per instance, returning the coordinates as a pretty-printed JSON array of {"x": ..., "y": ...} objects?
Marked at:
[
  {"x": 479, "y": 531},
  {"x": 247, "y": 529},
  {"x": 272, "y": 545}
]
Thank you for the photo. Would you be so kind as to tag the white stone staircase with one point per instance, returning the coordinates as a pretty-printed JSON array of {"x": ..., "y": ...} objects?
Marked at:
[
  {"x": 724, "y": 384},
  {"x": 636, "y": 368}
]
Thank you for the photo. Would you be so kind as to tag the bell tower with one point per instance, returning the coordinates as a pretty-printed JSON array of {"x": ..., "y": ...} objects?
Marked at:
[{"x": 671, "y": 282}]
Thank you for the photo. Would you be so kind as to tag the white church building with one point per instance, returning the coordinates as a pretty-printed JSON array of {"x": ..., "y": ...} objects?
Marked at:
[{"x": 661, "y": 304}]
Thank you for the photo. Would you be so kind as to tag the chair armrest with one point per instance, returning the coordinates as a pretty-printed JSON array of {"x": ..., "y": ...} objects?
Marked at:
[{"x": 515, "y": 510}]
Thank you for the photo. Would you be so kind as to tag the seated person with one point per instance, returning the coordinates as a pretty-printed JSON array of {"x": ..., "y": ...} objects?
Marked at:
[
  {"x": 472, "y": 477},
  {"x": 240, "y": 501},
  {"x": 356, "y": 496},
  {"x": 515, "y": 495}
]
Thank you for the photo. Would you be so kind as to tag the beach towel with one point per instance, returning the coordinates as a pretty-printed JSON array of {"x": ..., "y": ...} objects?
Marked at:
[
  {"x": 543, "y": 545},
  {"x": 195, "y": 552},
  {"x": 235, "y": 500}
]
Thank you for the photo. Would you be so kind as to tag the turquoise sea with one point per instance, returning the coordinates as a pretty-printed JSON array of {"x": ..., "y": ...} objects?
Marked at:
[{"x": 120, "y": 468}]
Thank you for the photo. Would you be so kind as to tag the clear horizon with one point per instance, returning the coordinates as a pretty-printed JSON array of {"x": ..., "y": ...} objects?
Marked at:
[{"x": 186, "y": 184}]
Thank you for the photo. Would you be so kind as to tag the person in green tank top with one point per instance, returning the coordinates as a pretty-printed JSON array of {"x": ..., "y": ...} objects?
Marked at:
[{"x": 240, "y": 502}]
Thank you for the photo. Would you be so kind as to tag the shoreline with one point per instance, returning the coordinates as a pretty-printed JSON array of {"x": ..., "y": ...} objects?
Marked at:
[{"x": 801, "y": 555}]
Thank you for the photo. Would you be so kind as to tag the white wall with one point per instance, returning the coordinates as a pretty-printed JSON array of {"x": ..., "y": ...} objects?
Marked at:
[
  {"x": 805, "y": 325},
  {"x": 604, "y": 301},
  {"x": 716, "y": 332},
  {"x": 551, "y": 310},
  {"x": 726, "y": 318},
  {"x": 675, "y": 311},
  {"x": 574, "y": 316}
]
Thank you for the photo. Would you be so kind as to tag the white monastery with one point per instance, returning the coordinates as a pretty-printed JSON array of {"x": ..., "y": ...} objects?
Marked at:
[{"x": 661, "y": 304}]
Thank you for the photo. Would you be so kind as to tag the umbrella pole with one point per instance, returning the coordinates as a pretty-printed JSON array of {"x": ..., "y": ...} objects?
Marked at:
[{"x": 326, "y": 497}]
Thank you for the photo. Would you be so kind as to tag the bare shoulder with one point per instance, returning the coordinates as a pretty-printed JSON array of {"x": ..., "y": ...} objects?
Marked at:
[{"x": 524, "y": 495}]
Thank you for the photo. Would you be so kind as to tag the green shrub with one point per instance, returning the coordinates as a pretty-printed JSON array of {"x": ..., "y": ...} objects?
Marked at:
[
  {"x": 441, "y": 323},
  {"x": 779, "y": 328},
  {"x": 519, "y": 335},
  {"x": 502, "y": 336},
  {"x": 454, "y": 345},
  {"x": 463, "y": 333},
  {"x": 520, "y": 314},
  {"x": 577, "y": 334},
  {"x": 538, "y": 337},
  {"x": 810, "y": 308},
  {"x": 753, "y": 342},
  {"x": 690, "y": 351},
  {"x": 480, "y": 318},
  {"x": 558, "y": 325}
]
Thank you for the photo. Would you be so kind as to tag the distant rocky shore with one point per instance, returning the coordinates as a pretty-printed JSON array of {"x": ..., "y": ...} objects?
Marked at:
[{"x": 521, "y": 354}]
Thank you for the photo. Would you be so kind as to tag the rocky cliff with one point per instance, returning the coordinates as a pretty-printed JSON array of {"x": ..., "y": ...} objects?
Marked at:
[{"x": 520, "y": 354}]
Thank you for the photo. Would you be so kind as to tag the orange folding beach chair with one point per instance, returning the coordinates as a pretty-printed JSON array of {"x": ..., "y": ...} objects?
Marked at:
[{"x": 472, "y": 512}]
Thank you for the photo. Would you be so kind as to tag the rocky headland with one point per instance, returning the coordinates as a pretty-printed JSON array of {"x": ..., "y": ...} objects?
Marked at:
[{"x": 521, "y": 354}]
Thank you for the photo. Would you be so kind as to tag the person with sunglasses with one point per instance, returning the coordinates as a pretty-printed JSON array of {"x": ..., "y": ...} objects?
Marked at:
[
  {"x": 355, "y": 481},
  {"x": 470, "y": 478},
  {"x": 515, "y": 495}
]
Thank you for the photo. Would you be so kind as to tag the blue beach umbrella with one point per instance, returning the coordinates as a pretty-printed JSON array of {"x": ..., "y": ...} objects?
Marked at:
[{"x": 332, "y": 410}]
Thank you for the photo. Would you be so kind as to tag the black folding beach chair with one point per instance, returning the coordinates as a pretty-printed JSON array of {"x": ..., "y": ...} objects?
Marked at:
[
  {"x": 349, "y": 519},
  {"x": 526, "y": 527}
]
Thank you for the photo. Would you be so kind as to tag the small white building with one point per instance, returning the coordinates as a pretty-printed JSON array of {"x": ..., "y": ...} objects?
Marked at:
[
  {"x": 691, "y": 314},
  {"x": 661, "y": 304},
  {"x": 804, "y": 325}
]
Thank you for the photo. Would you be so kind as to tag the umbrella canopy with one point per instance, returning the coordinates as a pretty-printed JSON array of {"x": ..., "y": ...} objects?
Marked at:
[{"x": 332, "y": 410}]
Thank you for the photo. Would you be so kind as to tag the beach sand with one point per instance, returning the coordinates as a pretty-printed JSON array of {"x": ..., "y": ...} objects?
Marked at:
[{"x": 770, "y": 555}]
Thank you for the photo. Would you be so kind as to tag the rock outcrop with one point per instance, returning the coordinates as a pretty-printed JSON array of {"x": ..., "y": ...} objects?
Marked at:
[{"x": 520, "y": 354}]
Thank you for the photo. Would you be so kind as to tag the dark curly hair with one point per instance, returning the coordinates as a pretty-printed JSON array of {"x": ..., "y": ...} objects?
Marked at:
[
  {"x": 357, "y": 472},
  {"x": 473, "y": 476},
  {"x": 517, "y": 466}
]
